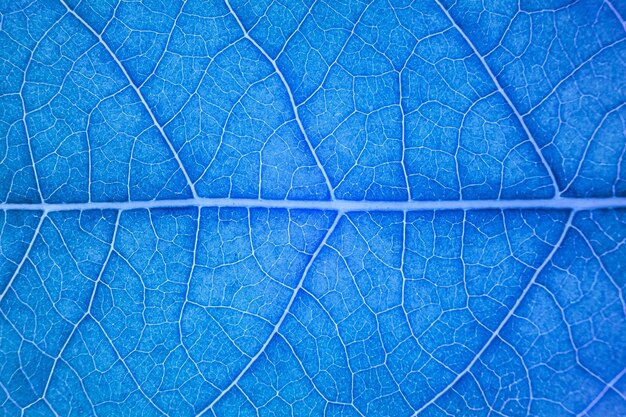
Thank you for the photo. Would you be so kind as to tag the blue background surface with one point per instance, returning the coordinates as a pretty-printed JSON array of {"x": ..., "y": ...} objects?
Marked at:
[{"x": 312, "y": 207}]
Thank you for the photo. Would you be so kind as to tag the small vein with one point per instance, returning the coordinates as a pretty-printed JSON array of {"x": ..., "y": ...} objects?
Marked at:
[
  {"x": 89, "y": 307},
  {"x": 19, "y": 266},
  {"x": 616, "y": 13},
  {"x": 24, "y": 113},
  {"x": 588, "y": 146},
  {"x": 602, "y": 393},
  {"x": 296, "y": 290},
  {"x": 138, "y": 92},
  {"x": 504, "y": 95},
  {"x": 127, "y": 368},
  {"x": 294, "y": 108},
  {"x": 573, "y": 73},
  {"x": 506, "y": 319},
  {"x": 603, "y": 268}
]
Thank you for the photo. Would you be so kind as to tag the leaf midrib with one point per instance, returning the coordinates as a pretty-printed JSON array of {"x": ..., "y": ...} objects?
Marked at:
[{"x": 337, "y": 205}]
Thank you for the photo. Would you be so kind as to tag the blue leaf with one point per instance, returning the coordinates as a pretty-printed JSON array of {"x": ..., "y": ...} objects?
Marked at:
[{"x": 346, "y": 208}]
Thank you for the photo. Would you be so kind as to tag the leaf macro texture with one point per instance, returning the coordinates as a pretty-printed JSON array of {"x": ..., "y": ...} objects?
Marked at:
[{"x": 313, "y": 208}]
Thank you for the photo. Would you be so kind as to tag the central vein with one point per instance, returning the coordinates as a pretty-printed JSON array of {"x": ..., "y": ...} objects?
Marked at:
[{"x": 339, "y": 205}]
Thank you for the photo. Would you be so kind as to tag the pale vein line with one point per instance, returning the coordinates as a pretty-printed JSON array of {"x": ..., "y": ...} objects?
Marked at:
[
  {"x": 308, "y": 13},
  {"x": 599, "y": 258},
  {"x": 291, "y": 99},
  {"x": 166, "y": 49},
  {"x": 504, "y": 95},
  {"x": 89, "y": 307},
  {"x": 506, "y": 319},
  {"x": 616, "y": 13},
  {"x": 337, "y": 205},
  {"x": 282, "y": 318},
  {"x": 311, "y": 379},
  {"x": 403, "y": 139},
  {"x": 26, "y": 254},
  {"x": 589, "y": 143},
  {"x": 573, "y": 73},
  {"x": 127, "y": 367},
  {"x": 139, "y": 94},
  {"x": 601, "y": 394},
  {"x": 24, "y": 113}
]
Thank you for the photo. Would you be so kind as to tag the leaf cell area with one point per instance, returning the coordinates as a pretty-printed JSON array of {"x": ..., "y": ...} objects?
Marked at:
[{"x": 313, "y": 208}]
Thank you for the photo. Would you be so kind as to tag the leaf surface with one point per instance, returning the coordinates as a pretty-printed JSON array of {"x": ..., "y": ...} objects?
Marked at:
[{"x": 347, "y": 208}]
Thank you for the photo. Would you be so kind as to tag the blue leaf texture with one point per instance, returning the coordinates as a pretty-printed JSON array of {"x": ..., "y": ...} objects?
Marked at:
[{"x": 313, "y": 208}]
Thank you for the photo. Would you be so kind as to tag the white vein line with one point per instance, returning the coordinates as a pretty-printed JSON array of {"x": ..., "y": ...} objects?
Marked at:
[
  {"x": 26, "y": 254},
  {"x": 89, "y": 307},
  {"x": 591, "y": 140},
  {"x": 308, "y": 13},
  {"x": 291, "y": 99},
  {"x": 122, "y": 360},
  {"x": 403, "y": 135},
  {"x": 616, "y": 13},
  {"x": 9, "y": 397},
  {"x": 311, "y": 379},
  {"x": 23, "y": 102},
  {"x": 572, "y": 74},
  {"x": 609, "y": 386},
  {"x": 506, "y": 319},
  {"x": 166, "y": 49},
  {"x": 504, "y": 95},
  {"x": 337, "y": 205},
  {"x": 139, "y": 94},
  {"x": 601, "y": 262},
  {"x": 286, "y": 311}
]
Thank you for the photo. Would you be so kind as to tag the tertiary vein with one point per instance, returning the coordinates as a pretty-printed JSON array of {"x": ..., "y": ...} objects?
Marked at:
[
  {"x": 504, "y": 322},
  {"x": 156, "y": 123},
  {"x": 280, "y": 321}
]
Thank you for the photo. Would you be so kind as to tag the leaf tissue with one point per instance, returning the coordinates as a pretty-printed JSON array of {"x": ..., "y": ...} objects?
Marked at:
[{"x": 313, "y": 208}]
